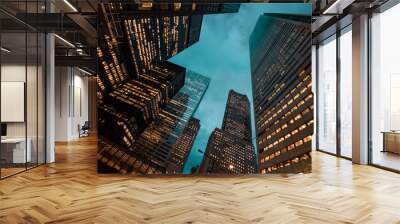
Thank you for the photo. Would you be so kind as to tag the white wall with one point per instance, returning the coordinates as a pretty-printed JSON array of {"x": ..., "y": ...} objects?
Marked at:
[
  {"x": 62, "y": 82},
  {"x": 33, "y": 127},
  {"x": 81, "y": 113},
  {"x": 71, "y": 102},
  {"x": 10, "y": 73},
  {"x": 16, "y": 72}
]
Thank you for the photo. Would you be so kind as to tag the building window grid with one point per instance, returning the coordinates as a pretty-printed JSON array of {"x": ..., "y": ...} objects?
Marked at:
[{"x": 300, "y": 91}]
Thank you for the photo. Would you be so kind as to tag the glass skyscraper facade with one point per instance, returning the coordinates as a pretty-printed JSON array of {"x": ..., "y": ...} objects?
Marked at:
[
  {"x": 159, "y": 149},
  {"x": 183, "y": 145},
  {"x": 280, "y": 57},
  {"x": 229, "y": 149},
  {"x": 159, "y": 142}
]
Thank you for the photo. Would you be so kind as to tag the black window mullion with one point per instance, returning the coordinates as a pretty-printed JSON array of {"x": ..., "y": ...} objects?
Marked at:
[
  {"x": 26, "y": 87},
  {"x": 369, "y": 91},
  {"x": 338, "y": 100},
  {"x": 0, "y": 92},
  {"x": 316, "y": 97},
  {"x": 37, "y": 90}
]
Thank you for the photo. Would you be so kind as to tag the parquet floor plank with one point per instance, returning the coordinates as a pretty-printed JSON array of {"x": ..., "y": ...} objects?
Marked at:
[{"x": 70, "y": 191}]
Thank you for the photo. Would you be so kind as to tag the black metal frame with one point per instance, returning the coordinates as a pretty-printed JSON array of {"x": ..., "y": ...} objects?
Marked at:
[
  {"x": 37, "y": 164},
  {"x": 380, "y": 9},
  {"x": 338, "y": 98},
  {"x": 338, "y": 153},
  {"x": 369, "y": 114},
  {"x": 0, "y": 88}
]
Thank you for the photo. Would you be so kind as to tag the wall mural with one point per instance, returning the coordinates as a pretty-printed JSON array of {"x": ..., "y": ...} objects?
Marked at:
[{"x": 204, "y": 88}]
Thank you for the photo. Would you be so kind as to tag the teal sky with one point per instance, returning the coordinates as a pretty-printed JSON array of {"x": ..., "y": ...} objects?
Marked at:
[{"x": 222, "y": 54}]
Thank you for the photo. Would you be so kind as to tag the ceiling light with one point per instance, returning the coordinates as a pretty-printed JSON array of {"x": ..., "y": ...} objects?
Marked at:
[
  {"x": 5, "y": 50},
  {"x": 84, "y": 71},
  {"x": 65, "y": 41},
  {"x": 334, "y": 7},
  {"x": 70, "y": 5}
]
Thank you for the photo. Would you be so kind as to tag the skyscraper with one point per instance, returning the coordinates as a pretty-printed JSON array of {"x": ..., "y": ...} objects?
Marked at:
[
  {"x": 237, "y": 120},
  {"x": 149, "y": 33},
  {"x": 140, "y": 101},
  {"x": 183, "y": 146},
  {"x": 160, "y": 147},
  {"x": 230, "y": 150},
  {"x": 280, "y": 55}
]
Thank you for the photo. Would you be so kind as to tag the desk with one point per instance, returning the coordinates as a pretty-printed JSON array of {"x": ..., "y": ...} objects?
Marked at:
[
  {"x": 13, "y": 150},
  {"x": 391, "y": 141}
]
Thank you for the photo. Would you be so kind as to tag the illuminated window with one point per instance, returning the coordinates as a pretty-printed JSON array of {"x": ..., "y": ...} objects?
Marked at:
[
  {"x": 299, "y": 143},
  {"x": 307, "y": 139},
  {"x": 146, "y": 6}
]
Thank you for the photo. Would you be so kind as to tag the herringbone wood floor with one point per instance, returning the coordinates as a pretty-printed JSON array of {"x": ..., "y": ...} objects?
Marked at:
[{"x": 70, "y": 191}]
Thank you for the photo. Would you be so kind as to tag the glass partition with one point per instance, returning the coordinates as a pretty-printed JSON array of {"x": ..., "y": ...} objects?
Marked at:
[
  {"x": 385, "y": 89},
  {"x": 13, "y": 94},
  {"x": 334, "y": 100},
  {"x": 22, "y": 87}
]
